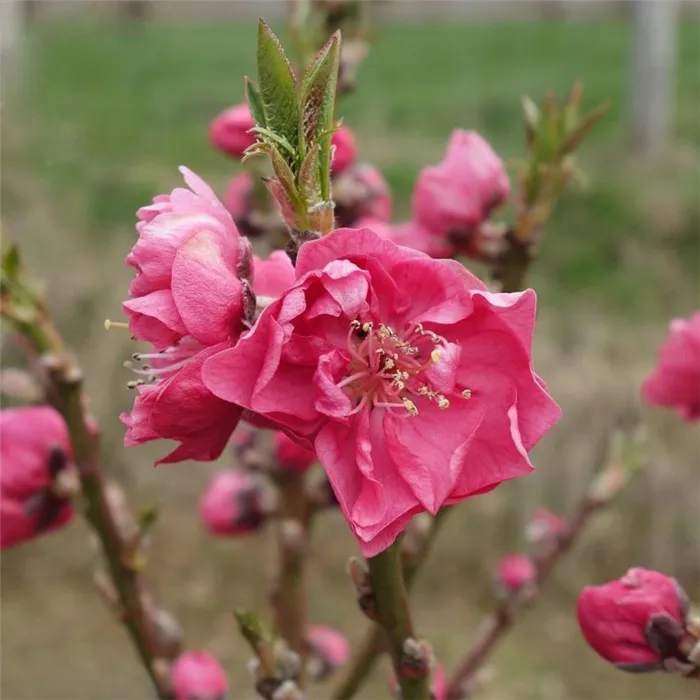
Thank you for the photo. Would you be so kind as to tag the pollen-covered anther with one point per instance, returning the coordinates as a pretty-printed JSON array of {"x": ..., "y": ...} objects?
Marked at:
[
  {"x": 442, "y": 401},
  {"x": 410, "y": 407},
  {"x": 435, "y": 355},
  {"x": 467, "y": 394}
]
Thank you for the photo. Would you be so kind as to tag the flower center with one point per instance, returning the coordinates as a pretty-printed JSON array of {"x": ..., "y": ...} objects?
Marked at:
[{"x": 388, "y": 370}]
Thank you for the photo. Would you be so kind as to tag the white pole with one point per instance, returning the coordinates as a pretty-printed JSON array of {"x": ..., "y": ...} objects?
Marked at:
[
  {"x": 10, "y": 39},
  {"x": 653, "y": 75}
]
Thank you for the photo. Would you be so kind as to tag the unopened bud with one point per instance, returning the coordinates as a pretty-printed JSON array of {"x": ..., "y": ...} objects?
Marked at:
[
  {"x": 544, "y": 527},
  {"x": 516, "y": 576},
  {"x": 292, "y": 456},
  {"x": 292, "y": 534},
  {"x": 328, "y": 651},
  {"x": 415, "y": 659},
  {"x": 361, "y": 580},
  {"x": 196, "y": 675}
]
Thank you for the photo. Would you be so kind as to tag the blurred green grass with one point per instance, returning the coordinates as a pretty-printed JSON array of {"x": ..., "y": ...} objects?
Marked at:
[
  {"x": 109, "y": 111},
  {"x": 103, "y": 116}
]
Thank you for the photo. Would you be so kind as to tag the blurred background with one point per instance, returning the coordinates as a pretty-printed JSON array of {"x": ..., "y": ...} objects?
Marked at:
[{"x": 103, "y": 100}]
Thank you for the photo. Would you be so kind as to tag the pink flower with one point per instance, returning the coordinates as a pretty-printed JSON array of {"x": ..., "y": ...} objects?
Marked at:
[
  {"x": 230, "y": 131},
  {"x": 197, "y": 675},
  {"x": 34, "y": 448},
  {"x": 544, "y": 525},
  {"x": 237, "y": 197},
  {"x": 458, "y": 194},
  {"x": 361, "y": 191},
  {"x": 272, "y": 276},
  {"x": 232, "y": 504},
  {"x": 515, "y": 572},
  {"x": 676, "y": 380},
  {"x": 189, "y": 299},
  {"x": 413, "y": 382},
  {"x": 345, "y": 151},
  {"x": 291, "y": 455},
  {"x": 329, "y": 650},
  {"x": 621, "y": 620},
  {"x": 410, "y": 234}
]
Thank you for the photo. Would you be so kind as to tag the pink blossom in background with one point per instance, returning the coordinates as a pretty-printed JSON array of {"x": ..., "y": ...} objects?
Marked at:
[
  {"x": 544, "y": 525},
  {"x": 615, "y": 617},
  {"x": 29, "y": 436},
  {"x": 345, "y": 152},
  {"x": 188, "y": 300},
  {"x": 361, "y": 191},
  {"x": 273, "y": 275},
  {"x": 230, "y": 131},
  {"x": 291, "y": 455},
  {"x": 197, "y": 675},
  {"x": 515, "y": 572},
  {"x": 459, "y": 193},
  {"x": 329, "y": 650},
  {"x": 675, "y": 383},
  {"x": 413, "y": 382},
  {"x": 410, "y": 234},
  {"x": 237, "y": 196},
  {"x": 231, "y": 504}
]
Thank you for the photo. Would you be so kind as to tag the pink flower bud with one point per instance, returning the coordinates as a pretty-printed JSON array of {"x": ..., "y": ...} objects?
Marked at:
[
  {"x": 34, "y": 451},
  {"x": 291, "y": 455},
  {"x": 198, "y": 676},
  {"x": 438, "y": 684},
  {"x": 237, "y": 196},
  {"x": 675, "y": 383},
  {"x": 232, "y": 504},
  {"x": 632, "y": 621},
  {"x": 361, "y": 191},
  {"x": 544, "y": 526},
  {"x": 230, "y": 131},
  {"x": 329, "y": 650},
  {"x": 515, "y": 573},
  {"x": 459, "y": 193},
  {"x": 345, "y": 151}
]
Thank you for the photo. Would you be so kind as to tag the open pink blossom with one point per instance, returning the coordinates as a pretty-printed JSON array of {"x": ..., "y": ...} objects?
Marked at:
[
  {"x": 412, "y": 381},
  {"x": 675, "y": 382},
  {"x": 230, "y": 131},
  {"x": 618, "y": 618},
  {"x": 189, "y": 299},
  {"x": 291, "y": 455},
  {"x": 410, "y": 234},
  {"x": 273, "y": 275},
  {"x": 328, "y": 649},
  {"x": 34, "y": 447},
  {"x": 345, "y": 150},
  {"x": 458, "y": 194},
  {"x": 515, "y": 572},
  {"x": 361, "y": 192},
  {"x": 232, "y": 504},
  {"x": 197, "y": 675}
]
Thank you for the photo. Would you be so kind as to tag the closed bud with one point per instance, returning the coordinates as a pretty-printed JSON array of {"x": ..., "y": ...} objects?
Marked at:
[
  {"x": 544, "y": 527},
  {"x": 516, "y": 576},
  {"x": 438, "y": 683},
  {"x": 232, "y": 504},
  {"x": 168, "y": 634},
  {"x": 231, "y": 131},
  {"x": 196, "y": 675},
  {"x": 636, "y": 622},
  {"x": 290, "y": 455},
  {"x": 361, "y": 580},
  {"x": 37, "y": 475},
  {"x": 328, "y": 651},
  {"x": 361, "y": 192}
]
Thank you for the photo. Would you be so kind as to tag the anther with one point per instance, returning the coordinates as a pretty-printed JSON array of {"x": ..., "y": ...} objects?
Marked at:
[
  {"x": 410, "y": 407},
  {"x": 134, "y": 383},
  {"x": 443, "y": 401},
  {"x": 467, "y": 394},
  {"x": 435, "y": 355},
  {"x": 114, "y": 324},
  {"x": 367, "y": 326}
]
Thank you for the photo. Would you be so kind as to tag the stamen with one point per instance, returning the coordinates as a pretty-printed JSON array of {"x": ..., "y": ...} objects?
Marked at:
[
  {"x": 435, "y": 355},
  {"x": 442, "y": 401},
  {"x": 467, "y": 394},
  {"x": 352, "y": 378},
  {"x": 410, "y": 407},
  {"x": 135, "y": 382}
]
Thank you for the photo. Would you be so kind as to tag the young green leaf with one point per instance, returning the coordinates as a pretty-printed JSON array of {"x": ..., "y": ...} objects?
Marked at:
[
  {"x": 255, "y": 103},
  {"x": 277, "y": 85}
]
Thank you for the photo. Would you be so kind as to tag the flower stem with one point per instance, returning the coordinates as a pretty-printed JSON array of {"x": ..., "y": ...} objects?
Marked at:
[
  {"x": 374, "y": 642},
  {"x": 290, "y": 597},
  {"x": 394, "y": 616}
]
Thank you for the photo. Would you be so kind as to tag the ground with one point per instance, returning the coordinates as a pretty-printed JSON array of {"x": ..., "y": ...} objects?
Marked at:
[{"x": 99, "y": 122}]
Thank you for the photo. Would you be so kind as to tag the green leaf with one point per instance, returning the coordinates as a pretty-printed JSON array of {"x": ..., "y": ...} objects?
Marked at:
[
  {"x": 309, "y": 177},
  {"x": 11, "y": 262},
  {"x": 531, "y": 118},
  {"x": 285, "y": 177},
  {"x": 574, "y": 139},
  {"x": 318, "y": 102},
  {"x": 255, "y": 103},
  {"x": 277, "y": 84}
]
